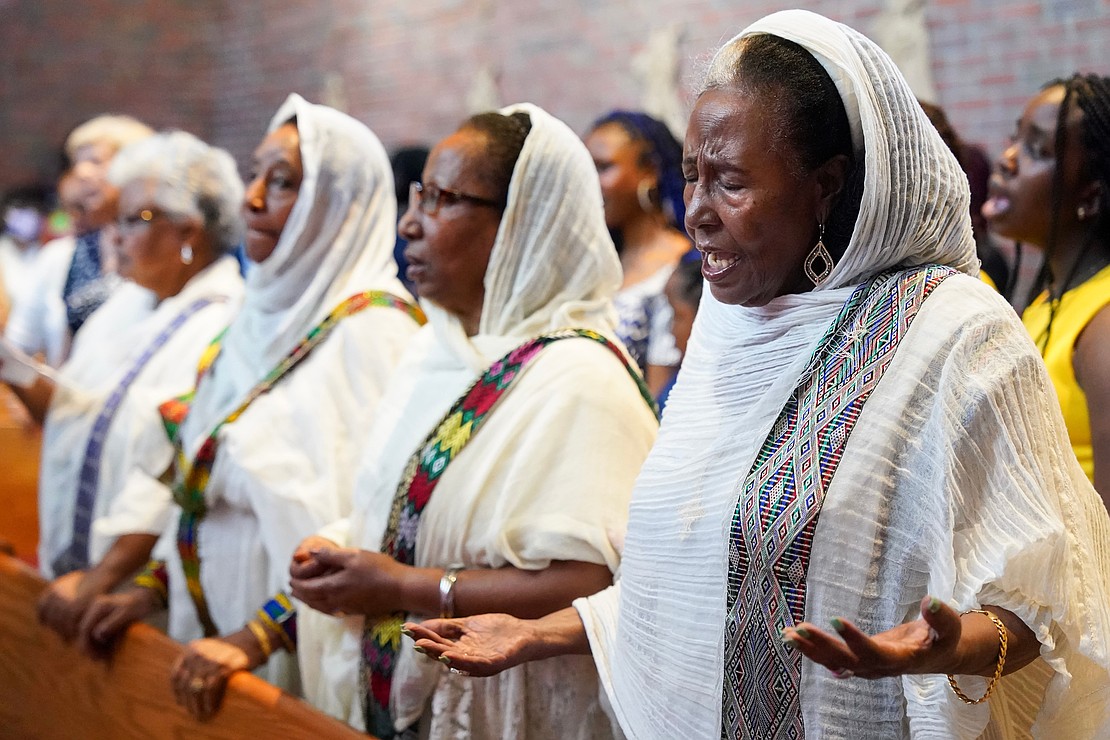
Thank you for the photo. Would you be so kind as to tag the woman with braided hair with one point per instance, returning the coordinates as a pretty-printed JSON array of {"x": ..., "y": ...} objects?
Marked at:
[
  {"x": 1052, "y": 190},
  {"x": 638, "y": 162}
]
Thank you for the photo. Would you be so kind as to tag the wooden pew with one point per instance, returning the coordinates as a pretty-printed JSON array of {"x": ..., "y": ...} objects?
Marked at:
[
  {"x": 49, "y": 690},
  {"x": 20, "y": 440}
]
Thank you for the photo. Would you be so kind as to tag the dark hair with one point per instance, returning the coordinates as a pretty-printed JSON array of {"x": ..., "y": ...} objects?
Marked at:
[
  {"x": 659, "y": 150},
  {"x": 806, "y": 106},
  {"x": 1092, "y": 94},
  {"x": 408, "y": 166},
  {"x": 688, "y": 278},
  {"x": 505, "y": 137}
]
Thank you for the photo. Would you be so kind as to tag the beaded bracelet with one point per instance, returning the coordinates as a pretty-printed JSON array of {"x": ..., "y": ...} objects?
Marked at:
[
  {"x": 155, "y": 578},
  {"x": 259, "y": 633},
  {"x": 279, "y": 614},
  {"x": 1002, "y": 640}
]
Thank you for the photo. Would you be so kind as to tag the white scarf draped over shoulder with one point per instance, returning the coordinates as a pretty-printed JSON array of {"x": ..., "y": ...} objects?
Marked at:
[
  {"x": 547, "y": 477},
  {"x": 956, "y": 481},
  {"x": 286, "y": 466}
]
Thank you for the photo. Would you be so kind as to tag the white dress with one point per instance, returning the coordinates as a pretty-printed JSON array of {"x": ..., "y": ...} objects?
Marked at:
[{"x": 109, "y": 343}]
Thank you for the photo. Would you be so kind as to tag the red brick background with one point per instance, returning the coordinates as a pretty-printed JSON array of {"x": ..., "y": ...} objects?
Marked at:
[{"x": 220, "y": 67}]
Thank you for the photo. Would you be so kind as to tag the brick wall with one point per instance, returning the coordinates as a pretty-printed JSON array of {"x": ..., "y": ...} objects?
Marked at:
[
  {"x": 64, "y": 61},
  {"x": 220, "y": 67}
]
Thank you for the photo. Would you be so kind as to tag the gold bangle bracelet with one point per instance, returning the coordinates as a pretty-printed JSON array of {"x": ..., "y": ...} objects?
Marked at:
[
  {"x": 1002, "y": 640},
  {"x": 259, "y": 633}
]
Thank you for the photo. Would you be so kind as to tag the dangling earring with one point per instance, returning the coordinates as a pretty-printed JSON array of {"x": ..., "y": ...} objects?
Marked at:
[
  {"x": 1081, "y": 213},
  {"x": 643, "y": 194},
  {"x": 818, "y": 264},
  {"x": 186, "y": 254}
]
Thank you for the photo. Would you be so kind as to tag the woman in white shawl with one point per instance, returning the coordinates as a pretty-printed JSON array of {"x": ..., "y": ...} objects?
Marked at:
[
  {"x": 954, "y": 491},
  {"x": 266, "y": 450},
  {"x": 179, "y": 220},
  {"x": 507, "y": 243}
]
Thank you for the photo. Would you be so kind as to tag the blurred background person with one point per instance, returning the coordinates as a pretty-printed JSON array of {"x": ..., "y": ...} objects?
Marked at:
[
  {"x": 75, "y": 276},
  {"x": 1051, "y": 189},
  {"x": 639, "y": 165},
  {"x": 178, "y": 223},
  {"x": 408, "y": 164},
  {"x": 24, "y": 216},
  {"x": 683, "y": 291}
]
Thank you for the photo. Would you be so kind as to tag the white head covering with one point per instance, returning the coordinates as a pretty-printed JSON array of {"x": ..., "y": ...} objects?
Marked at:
[
  {"x": 553, "y": 264},
  {"x": 741, "y": 367},
  {"x": 338, "y": 241}
]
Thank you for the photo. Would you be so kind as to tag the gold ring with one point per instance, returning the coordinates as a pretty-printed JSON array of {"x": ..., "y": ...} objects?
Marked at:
[{"x": 196, "y": 685}]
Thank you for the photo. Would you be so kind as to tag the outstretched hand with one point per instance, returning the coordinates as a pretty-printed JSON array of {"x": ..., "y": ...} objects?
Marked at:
[
  {"x": 926, "y": 645},
  {"x": 481, "y": 645}
]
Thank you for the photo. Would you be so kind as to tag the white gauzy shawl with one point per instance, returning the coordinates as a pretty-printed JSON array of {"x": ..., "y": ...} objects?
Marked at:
[
  {"x": 106, "y": 348},
  {"x": 957, "y": 481},
  {"x": 285, "y": 467},
  {"x": 547, "y": 477}
]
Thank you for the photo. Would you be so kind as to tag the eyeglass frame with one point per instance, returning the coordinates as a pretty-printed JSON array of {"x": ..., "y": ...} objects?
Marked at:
[
  {"x": 127, "y": 224},
  {"x": 422, "y": 194}
]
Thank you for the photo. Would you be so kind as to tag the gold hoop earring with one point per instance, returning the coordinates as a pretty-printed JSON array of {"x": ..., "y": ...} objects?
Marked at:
[
  {"x": 818, "y": 264},
  {"x": 186, "y": 254},
  {"x": 643, "y": 194}
]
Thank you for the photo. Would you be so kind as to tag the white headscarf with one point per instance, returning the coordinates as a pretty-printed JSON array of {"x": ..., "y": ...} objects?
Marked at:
[
  {"x": 741, "y": 366},
  {"x": 553, "y": 264},
  {"x": 338, "y": 241}
]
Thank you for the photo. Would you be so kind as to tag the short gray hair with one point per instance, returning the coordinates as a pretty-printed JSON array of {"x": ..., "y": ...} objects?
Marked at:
[
  {"x": 114, "y": 130},
  {"x": 190, "y": 179}
]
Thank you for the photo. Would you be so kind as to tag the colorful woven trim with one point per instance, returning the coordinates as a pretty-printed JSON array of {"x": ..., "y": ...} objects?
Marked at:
[
  {"x": 155, "y": 577},
  {"x": 382, "y": 638},
  {"x": 76, "y": 555},
  {"x": 191, "y": 476},
  {"x": 280, "y": 615},
  {"x": 780, "y": 501}
]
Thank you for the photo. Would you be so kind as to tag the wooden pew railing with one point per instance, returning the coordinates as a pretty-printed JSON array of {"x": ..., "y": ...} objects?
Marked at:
[{"x": 49, "y": 690}]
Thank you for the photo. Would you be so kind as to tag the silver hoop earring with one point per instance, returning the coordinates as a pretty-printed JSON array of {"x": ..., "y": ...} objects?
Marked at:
[
  {"x": 643, "y": 194},
  {"x": 186, "y": 254},
  {"x": 818, "y": 264}
]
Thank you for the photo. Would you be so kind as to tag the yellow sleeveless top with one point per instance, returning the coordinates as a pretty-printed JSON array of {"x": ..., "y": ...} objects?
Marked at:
[{"x": 1077, "y": 307}]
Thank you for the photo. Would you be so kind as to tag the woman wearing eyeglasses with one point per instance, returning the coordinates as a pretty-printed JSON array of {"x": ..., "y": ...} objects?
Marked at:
[
  {"x": 497, "y": 472},
  {"x": 265, "y": 448},
  {"x": 178, "y": 222}
]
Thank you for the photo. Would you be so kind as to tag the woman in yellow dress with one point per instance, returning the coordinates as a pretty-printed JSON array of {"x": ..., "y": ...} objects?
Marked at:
[{"x": 1051, "y": 189}]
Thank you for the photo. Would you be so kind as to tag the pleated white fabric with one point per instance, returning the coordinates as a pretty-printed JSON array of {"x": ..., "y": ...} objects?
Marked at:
[
  {"x": 957, "y": 480},
  {"x": 548, "y": 476}
]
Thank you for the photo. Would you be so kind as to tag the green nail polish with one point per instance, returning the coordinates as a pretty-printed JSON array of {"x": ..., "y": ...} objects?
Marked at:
[
  {"x": 419, "y": 649},
  {"x": 837, "y": 624},
  {"x": 406, "y": 632},
  {"x": 802, "y": 632},
  {"x": 445, "y": 660},
  {"x": 934, "y": 604}
]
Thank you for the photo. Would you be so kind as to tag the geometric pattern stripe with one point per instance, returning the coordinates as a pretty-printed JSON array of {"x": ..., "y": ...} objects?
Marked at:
[
  {"x": 778, "y": 505},
  {"x": 382, "y": 637},
  {"x": 191, "y": 476},
  {"x": 76, "y": 556}
]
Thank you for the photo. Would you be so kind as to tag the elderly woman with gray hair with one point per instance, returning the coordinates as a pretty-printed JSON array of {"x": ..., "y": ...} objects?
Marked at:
[{"x": 178, "y": 222}]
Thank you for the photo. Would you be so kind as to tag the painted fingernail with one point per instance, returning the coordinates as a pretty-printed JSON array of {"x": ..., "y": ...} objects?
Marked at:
[
  {"x": 934, "y": 604},
  {"x": 419, "y": 649},
  {"x": 406, "y": 632},
  {"x": 802, "y": 632},
  {"x": 445, "y": 660},
  {"x": 787, "y": 639},
  {"x": 837, "y": 624}
]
